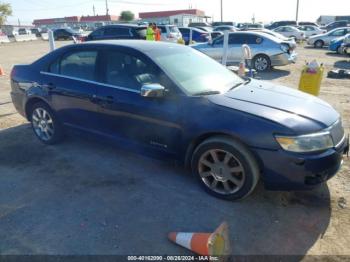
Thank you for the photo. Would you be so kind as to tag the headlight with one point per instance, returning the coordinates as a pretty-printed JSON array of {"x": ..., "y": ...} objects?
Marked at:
[
  {"x": 306, "y": 143},
  {"x": 285, "y": 48}
]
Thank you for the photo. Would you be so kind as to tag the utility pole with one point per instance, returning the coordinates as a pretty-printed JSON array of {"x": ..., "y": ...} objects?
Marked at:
[
  {"x": 221, "y": 11},
  {"x": 107, "y": 10},
  {"x": 93, "y": 10},
  {"x": 297, "y": 13}
]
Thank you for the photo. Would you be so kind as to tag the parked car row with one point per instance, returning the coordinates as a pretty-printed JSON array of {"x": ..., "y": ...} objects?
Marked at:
[
  {"x": 267, "y": 50},
  {"x": 325, "y": 39}
]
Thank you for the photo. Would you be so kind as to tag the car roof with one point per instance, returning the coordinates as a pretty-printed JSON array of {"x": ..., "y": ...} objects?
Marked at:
[
  {"x": 139, "y": 45},
  {"x": 258, "y": 33},
  {"x": 123, "y": 25}
]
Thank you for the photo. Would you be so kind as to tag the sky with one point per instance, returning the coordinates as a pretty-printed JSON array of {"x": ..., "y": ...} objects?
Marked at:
[{"x": 234, "y": 10}]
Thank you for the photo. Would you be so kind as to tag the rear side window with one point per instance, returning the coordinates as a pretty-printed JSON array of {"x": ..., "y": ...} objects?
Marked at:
[
  {"x": 236, "y": 39},
  {"x": 78, "y": 64},
  {"x": 240, "y": 39},
  {"x": 141, "y": 32}
]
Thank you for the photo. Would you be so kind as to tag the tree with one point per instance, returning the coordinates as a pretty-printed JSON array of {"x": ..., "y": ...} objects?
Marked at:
[
  {"x": 5, "y": 11},
  {"x": 127, "y": 16}
]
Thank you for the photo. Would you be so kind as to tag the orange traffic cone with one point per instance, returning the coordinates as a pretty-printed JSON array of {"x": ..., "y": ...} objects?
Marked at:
[
  {"x": 2, "y": 72},
  {"x": 205, "y": 244}
]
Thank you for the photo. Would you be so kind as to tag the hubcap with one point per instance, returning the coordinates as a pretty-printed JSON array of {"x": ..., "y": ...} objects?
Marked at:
[
  {"x": 42, "y": 124},
  {"x": 221, "y": 171},
  {"x": 261, "y": 64}
]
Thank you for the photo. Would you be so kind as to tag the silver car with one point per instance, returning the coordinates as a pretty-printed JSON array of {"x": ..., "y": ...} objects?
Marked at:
[
  {"x": 324, "y": 39},
  {"x": 267, "y": 50}
]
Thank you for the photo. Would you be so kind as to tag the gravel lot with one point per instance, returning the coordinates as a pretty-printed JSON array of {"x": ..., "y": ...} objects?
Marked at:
[{"x": 84, "y": 197}]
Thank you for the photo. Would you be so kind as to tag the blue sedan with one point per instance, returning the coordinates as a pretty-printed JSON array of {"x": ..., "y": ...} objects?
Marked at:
[{"x": 174, "y": 102}]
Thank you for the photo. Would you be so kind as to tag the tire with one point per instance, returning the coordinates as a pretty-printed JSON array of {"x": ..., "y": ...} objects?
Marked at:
[
  {"x": 229, "y": 185},
  {"x": 45, "y": 124},
  {"x": 319, "y": 44},
  {"x": 261, "y": 63},
  {"x": 339, "y": 51}
]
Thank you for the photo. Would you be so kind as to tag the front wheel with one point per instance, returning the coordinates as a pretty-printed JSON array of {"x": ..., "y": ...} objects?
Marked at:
[
  {"x": 225, "y": 168},
  {"x": 319, "y": 44},
  {"x": 261, "y": 63},
  {"x": 45, "y": 124}
]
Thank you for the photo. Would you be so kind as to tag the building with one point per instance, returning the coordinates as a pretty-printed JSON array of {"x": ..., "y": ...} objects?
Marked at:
[
  {"x": 176, "y": 17},
  {"x": 76, "y": 21},
  {"x": 326, "y": 19}
]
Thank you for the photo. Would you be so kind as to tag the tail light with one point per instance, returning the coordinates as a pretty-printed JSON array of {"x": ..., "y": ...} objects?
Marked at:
[{"x": 170, "y": 36}]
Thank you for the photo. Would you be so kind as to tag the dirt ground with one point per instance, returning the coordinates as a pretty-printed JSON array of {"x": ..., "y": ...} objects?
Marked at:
[{"x": 83, "y": 197}]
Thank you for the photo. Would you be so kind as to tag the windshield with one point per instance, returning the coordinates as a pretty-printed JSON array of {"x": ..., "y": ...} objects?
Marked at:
[
  {"x": 174, "y": 29},
  {"x": 199, "y": 74}
]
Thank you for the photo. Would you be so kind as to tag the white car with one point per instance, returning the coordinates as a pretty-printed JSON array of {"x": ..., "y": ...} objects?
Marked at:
[
  {"x": 170, "y": 33},
  {"x": 290, "y": 31},
  {"x": 324, "y": 39},
  {"x": 310, "y": 30}
]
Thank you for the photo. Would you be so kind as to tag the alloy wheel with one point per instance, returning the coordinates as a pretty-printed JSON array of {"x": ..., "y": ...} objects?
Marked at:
[
  {"x": 261, "y": 63},
  {"x": 43, "y": 124},
  {"x": 221, "y": 171}
]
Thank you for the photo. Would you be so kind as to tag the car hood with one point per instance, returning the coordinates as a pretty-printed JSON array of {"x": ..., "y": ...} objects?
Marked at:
[{"x": 301, "y": 112}]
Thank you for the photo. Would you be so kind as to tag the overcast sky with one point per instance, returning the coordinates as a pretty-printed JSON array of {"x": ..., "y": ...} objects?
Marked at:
[{"x": 234, "y": 10}]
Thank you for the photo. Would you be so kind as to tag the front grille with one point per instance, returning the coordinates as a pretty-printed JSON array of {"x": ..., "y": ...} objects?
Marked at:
[{"x": 337, "y": 132}]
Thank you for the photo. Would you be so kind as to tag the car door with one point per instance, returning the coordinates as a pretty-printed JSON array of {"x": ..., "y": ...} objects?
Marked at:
[
  {"x": 70, "y": 81},
  {"x": 235, "y": 42},
  {"x": 125, "y": 114}
]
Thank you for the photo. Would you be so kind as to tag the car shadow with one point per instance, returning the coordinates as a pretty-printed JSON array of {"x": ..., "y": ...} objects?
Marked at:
[
  {"x": 335, "y": 54},
  {"x": 85, "y": 197},
  {"x": 272, "y": 74},
  {"x": 342, "y": 64}
]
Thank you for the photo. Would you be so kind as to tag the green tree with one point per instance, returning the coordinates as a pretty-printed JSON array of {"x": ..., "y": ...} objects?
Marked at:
[
  {"x": 127, "y": 16},
  {"x": 5, "y": 11}
]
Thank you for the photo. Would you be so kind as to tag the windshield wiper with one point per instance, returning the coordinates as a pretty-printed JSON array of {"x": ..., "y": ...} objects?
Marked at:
[{"x": 207, "y": 93}]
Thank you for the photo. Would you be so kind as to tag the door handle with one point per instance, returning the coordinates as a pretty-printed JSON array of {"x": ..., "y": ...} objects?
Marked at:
[{"x": 102, "y": 100}]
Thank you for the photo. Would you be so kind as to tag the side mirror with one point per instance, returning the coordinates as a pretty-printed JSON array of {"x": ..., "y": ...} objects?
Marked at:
[{"x": 152, "y": 90}]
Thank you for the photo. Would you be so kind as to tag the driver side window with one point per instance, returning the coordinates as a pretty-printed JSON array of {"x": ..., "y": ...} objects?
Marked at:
[{"x": 128, "y": 71}]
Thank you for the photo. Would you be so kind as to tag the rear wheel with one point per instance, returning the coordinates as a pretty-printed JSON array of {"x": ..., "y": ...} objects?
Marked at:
[
  {"x": 261, "y": 63},
  {"x": 319, "y": 44},
  {"x": 225, "y": 168},
  {"x": 45, "y": 124}
]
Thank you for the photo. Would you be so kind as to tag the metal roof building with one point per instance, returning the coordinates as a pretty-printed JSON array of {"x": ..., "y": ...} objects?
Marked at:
[{"x": 176, "y": 17}]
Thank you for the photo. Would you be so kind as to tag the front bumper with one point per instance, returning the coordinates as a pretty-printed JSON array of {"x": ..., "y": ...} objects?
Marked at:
[
  {"x": 288, "y": 171},
  {"x": 283, "y": 59}
]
